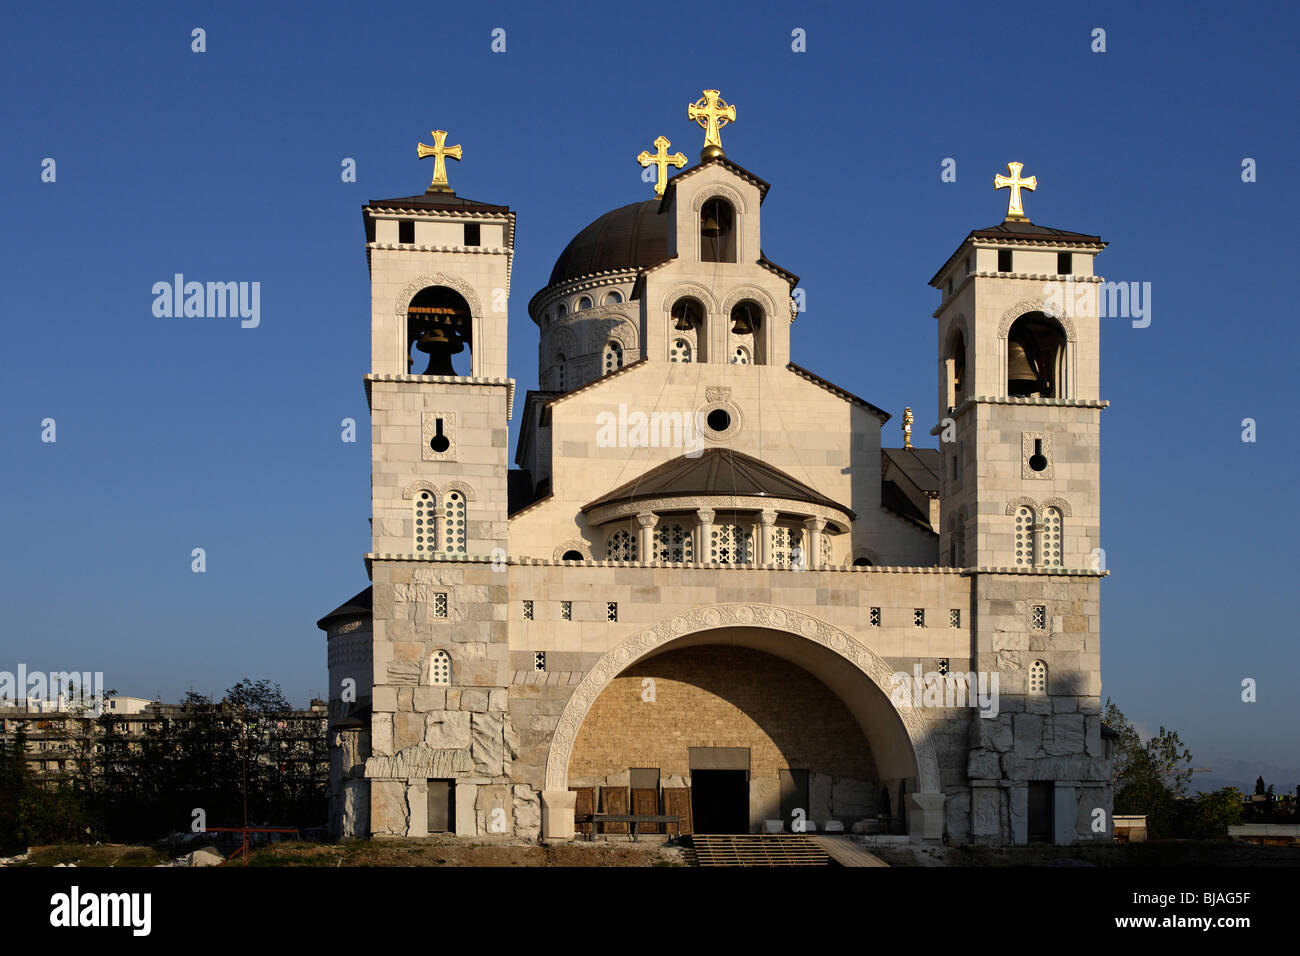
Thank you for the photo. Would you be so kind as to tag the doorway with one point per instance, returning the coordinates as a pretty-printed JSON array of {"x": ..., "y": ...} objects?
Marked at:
[
  {"x": 1041, "y": 793},
  {"x": 720, "y": 801},
  {"x": 441, "y": 806}
]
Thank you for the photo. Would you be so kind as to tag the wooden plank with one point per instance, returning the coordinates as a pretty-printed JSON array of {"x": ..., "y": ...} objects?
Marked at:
[
  {"x": 845, "y": 852},
  {"x": 677, "y": 802},
  {"x": 646, "y": 802},
  {"x": 585, "y": 803},
  {"x": 614, "y": 800},
  {"x": 758, "y": 850}
]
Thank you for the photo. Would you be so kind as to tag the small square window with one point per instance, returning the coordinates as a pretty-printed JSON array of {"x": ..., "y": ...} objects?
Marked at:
[
  {"x": 969, "y": 265},
  {"x": 528, "y": 610},
  {"x": 1038, "y": 617},
  {"x": 440, "y": 604},
  {"x": 566, "y": 610},
  {"x": 874, "y": 617},
  {"x": 918, "y": 617},
  {"x": 539, "y": 661},
  {"x": 954, "y": 617},
  {"x": 471, "y": 234},
  {"x": 406, "y": 231},
  {"x": 943, "y": 667},
  {"x": 1004, "y": 260},
  {"x": 611, "y": 611},
  {"x": 1064, "y": 263}
]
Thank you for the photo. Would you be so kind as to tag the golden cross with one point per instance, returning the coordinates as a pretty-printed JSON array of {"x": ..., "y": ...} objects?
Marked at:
[
  {"x": 439, "y": 152},
  {"x": 1014, "y": 209},
  {"x": 662, "y": 160},
  {"x": 712, "y": 113}
]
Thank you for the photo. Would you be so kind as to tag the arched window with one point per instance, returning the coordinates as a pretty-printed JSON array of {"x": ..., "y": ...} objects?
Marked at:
[
  {"x": 453, "y": 522},
  {"x": 680, "y": 351},
  {"x": 621, "y": 546},
  {"x": 440, "y": 668},
  {"x": 584, "y": 303},
  {"x": 787, "y": 544},
  {"x": 572, "y": 556},
  {"x": 745, "y": 334},
  {"x": 957, "y": 370},
  {"x": 613, "y": 297},
  {"x": 826, "y": 549},
  {"x": 562, "y": 311},
  {"x": 1053, "y": 528},
  {"x": 686, "y": 323},
  {"x": 424, "y": 512},
  {"x": 673, "y": 543},
  {"x": 1035, "y": 357},
  {"x": 862, "y": 562},
  {"x": 1037, "y": 678},
  {"x": 559, "y": 374},
  {"x": 731, "y": 544},
  {"x": 1025, "y": 554},
  {"x": 957, "y": 540},
  {"x": 717, "y": 231},
  {"x": 439, "y": 325},
  {"x": 613, "y": 356}
]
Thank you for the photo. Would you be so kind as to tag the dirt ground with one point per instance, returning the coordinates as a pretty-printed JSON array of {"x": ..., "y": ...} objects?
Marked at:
[{"x": 448, "y": 851}]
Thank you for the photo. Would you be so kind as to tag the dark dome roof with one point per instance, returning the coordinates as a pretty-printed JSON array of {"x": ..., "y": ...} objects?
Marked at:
[{"x": 630, "y": 237}]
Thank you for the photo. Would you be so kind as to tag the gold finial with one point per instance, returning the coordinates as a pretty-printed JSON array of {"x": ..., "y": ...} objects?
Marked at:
[
  {"x": 439, "y": 152},
  {"x": 1015, "y": 211},
  {"x": 907, "y": 427},
  {"x": 712, "y": 113},
  {"x": 662, "y": 160}
]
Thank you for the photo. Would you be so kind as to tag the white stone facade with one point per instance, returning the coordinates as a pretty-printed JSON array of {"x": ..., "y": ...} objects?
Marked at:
[{"x": 504, "y": 605}]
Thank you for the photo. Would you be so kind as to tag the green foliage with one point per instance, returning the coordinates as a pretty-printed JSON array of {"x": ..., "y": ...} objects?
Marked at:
[
  {"x": 141, "y": 786},
  {"x": 1207, "y": 816},
  {"x": 1149, "y": 777}
]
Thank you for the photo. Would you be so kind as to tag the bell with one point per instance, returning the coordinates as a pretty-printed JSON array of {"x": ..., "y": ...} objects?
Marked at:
[
  {"x": 1022, "y": 377},
  {"x": 682, "y": 320},
  {"x": 440, "y": 347},
  {"x": 710, "y": 226},
  {"x": 741, "y": 324}
]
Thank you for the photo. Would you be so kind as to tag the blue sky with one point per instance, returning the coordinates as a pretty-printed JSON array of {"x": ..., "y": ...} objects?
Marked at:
[{"x": 225, "y": 165}]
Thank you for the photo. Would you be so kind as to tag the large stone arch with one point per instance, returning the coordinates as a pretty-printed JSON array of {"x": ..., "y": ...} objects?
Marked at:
[{"x": 767, "y": 628}]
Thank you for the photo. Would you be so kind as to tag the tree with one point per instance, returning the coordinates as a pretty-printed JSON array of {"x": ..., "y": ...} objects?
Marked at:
[
  {"x": 1148, "y": 777},
  {"x": 260, "y": 697},
  {"x": 1210, "y": 814}
]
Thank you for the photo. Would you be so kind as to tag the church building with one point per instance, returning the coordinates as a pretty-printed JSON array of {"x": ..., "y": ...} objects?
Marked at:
[{"x": 708, "y": 586}]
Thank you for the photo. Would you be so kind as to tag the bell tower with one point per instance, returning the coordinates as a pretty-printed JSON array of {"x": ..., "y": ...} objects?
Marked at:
[
  {"x": 440, "y": 405},
  {"x": 1019, "y": 394},
  {"x": 1019, "y": 443}
]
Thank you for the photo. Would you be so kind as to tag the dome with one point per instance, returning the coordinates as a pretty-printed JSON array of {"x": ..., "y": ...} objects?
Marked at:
[{"x": 630, "y": 237}]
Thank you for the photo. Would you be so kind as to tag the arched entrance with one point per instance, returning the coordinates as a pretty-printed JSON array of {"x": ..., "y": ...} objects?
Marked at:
[{"x": 861, "y": 680}]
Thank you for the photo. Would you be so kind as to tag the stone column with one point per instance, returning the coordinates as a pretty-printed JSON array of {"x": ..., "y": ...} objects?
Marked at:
[
  {"x": 813, "y": 542},
  {"x": 703, "y": 546},
  {"x": 925, "y": 816},
  {"x": 768, "y": 519},
  {"x": 557, "y": 814},
  {"x": 647, "y": 520}
]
